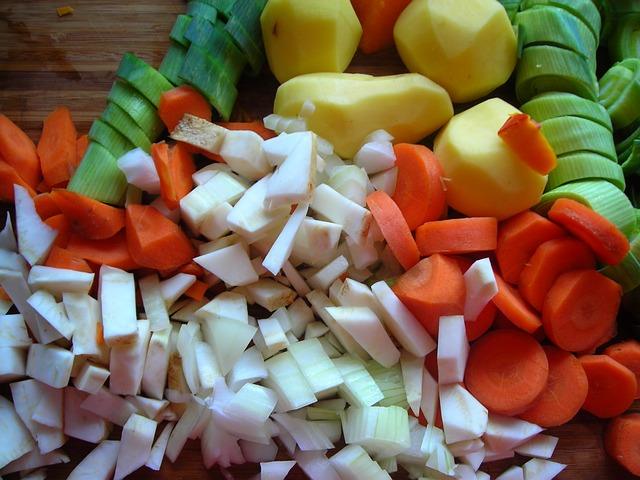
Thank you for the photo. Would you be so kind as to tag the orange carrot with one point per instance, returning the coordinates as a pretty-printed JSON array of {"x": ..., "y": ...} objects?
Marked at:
[
  {"x": 457, "y": 235},
  {"x": 82, "y": 143},
  {"x": 192, "y": 268},
  {"x": 564, "y": 394},
  {"x": 62, "y": 258},
  {"x": 45, "y": 206},
  {"x": 608, "y": 243},
  {"x": 506, "y": 371},
  {"x": 61, "y": 223},
  {"x": 432, "y": 288},
  {"x": 110, "y": 251},
  {"x": 197, "y": 290},
  {"x": 511, "y": 304},
  {"x": 394, "y": 228},
  {"x": 580, "y": 309},
  {"x": 523, "y": 136},
  {"x": 175, "y": 167},
  {"x": 155, "y": 241},
  {"x": 518, "y": 238},
  {"x": 90, "y": 218},
  {"x": 612, "y": 386},
  {"x": 176, "y": 102},
  {"x": 57, "y": 147},
  {"x": 377, "y": 18},
  {"x": 255, "y": 126},
  {"x": 18, "y": 150},
  {"x": 8, "y": 177},
  {"x": 419, "y": 193},
  {"x": 628, "y": 354},
  {"x": 621, "y": 441},
  {"x": 4, "y": 296},
  {"x": 482, "y": 323},
  {"x": 550, "y": 260}
]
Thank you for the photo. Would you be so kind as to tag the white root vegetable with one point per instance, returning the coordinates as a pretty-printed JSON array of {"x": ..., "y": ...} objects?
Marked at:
[
  {"x": 84, "y": 313},
  {"x": 354, "y": 219},
  {"x": 127, "y": 362},
  {"x": 52, "y": 313},
  {"x": 49, "y": 408},
  {"x": 481, "y": 287},
  {"x": 137, "y": 165},
  {"x": 386, "y": 181},
  {"x": 80, "y": 423},
  {"x": 321, "y": 374},
  {"x": 109, "y": 406},
  {"x": 33, "y": 460},
  {"x": 375, "y": 157},
  {"x": 286, "y": 379},
  {"x": 7, "y": 237},
  {"x": 154, "y": 462},
  {"x": 453, "y": 349},
  {"x": 275, "y": 470},
  {"x": 149, "y": 407},
  {"x": 537, "y": 469},
  {"x": 154, "y": 305},
  {"x": 507, "y": 433},
  {"x": 316, "y": 242},
  {"x": 13, "y": 364},
  {"x": 229, "y": 339},
  {"x": 117, "y": 294},
  {"x": 283, "y": 246},
  {"x": 225, "y": 305},
  {"x": 184, "y": 427},
  {"x": 154, "y": 375},
  {"x": 16, "y": 438},
  {"x": 277, "y": 149},
  {"x": 13, "y": 332},
  {"x": 473, "y": 459},
  {"x": 412, "y": 368},
  {"x": 463, "y": 417},
  {"x": 135, "y": 445},
  {"x": 35, "y": 238},
  {"x": 242, "y": 151},
  {"x": 316, "y": 465},
  {"x": 270, "y": 294},
  {"x": 189, "y": 334},
  {"x": 50, "y": 364},
  {"x": 214, "y": 223},
  {"x": 99, "y": 464},
  {"x": 514, "y": 472},
  {"x": 231, "y": 264},
  {"x": 172, "y": 288},
  {"x": 207, "y": 366},
  {"x": 56, "y": 281},
  {"x": 249, "y": 368},
  {"x": 540, "y": 446}
]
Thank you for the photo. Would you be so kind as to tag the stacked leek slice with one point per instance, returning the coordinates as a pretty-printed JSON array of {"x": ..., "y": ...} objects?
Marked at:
[
  {"x": 624, "y": 41},
  {"x": 211, "y": 45}
]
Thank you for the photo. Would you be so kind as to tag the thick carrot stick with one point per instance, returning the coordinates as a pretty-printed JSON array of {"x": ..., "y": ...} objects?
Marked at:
[
  {"x": 17, "y": 149},
  {"x": 61, "y": 223},
  {"x": 511, "y": 304},
  {"x": 197, "y": 290},
  {"x": 523, "y": 136},
  {"x": 564, "y": 394},
  {"x": 432, "y": 288},
  {"x": 550, "y": 260},
  {"x": 8, "y": 177},
  {"x": 175, "y": 167},
  {"x": 394, "y": 228},
  {"x": 90, "y": 218},
  {"x": 377, "y": 18},
  {"x": 176, "y": 102},
  {"x": 518, "y": 238},
  {"x": 612, "y": 386},
  {"x": 45, "y": 206},
  {"x": 621, "y": 440},
  {"x": 605, "y": 239},
  {"x": 82, "y": 143},
  {"x": 580, "y": 309},
  {"x": 628, "y": 354},
  {"x": 62, "y": 258},
  {"x": 155, "y": 241},
  {"x": 255, "y": 126},
  {"x": 57, "y": 147},
  {"x": 419, "y": 190},
  {"x": 110, "y": 251},
  {"x": 507, "y": 370},
  {"x": 457, "y": 235}
]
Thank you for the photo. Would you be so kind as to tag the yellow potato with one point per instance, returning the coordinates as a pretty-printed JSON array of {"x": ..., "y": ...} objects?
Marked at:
[
  {"x": 467, "y": 46},
  {"x": 484, "y": 177},
  {"x": 306, "y": 36},
  {"x": 350, "y": 106}
]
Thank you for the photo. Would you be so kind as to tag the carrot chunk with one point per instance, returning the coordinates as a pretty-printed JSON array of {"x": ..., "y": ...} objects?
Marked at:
[
  {"x": 628, "y": 354},
  {"x": 19, "y": 151},
  {"x": 62, "y": 224},
  {"x": 110, "y": 251},
  {"x": 612, "y": 386},
  {"x": 621, "y": 441},
  {"x": 176, "y": 102},
  {"x": 8, "y": 177},
  {"x": 45, "y": 206},
  {"x": 377, "y": 18},
  {"x": 481, "y": 325},
  {"x": 511, "y": 304},
  {"x": 57, "y": 148},
  {"x": 255, "y": 126},
  {"x": 175, "y": 167},
  {"x": 62, "y": 258},
  {"x": 457, "y": 235},
  {"x": 523, "y": 136}
]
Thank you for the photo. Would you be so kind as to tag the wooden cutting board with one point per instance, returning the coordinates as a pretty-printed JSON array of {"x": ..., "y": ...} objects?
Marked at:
[{"x": 46, "y": 61}]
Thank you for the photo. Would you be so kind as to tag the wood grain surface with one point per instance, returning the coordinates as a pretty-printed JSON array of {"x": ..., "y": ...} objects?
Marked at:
[{"x": 46, "y": 61}]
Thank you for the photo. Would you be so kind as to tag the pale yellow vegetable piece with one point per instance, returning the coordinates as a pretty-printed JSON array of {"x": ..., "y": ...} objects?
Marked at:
[
  {"x": 483, "y": 176},
  {"x": 306, "y": 36},
  {"x": 350, "y": 106},
  {"x": 467, "y": 46}
]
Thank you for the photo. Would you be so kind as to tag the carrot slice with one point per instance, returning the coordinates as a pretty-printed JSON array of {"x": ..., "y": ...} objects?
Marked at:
[
  {"x": 628, "y": 354},
  {"x": 511, "y": 304},
  {"x": 432, "y": 288},
  {"x": 507, "y": 370},
  {"x": 518, "y": 238},
  {"x": 605, "y": 239},
  {"x": 192, "y": 268},
  {"x": 57, "y": 147},
  {"x": 255, "y": 126},
  {"x": 90, "y": 218},
  {"x": 394, "y": 228},
  {"x": 564, "y": 394},
  {"x": 175, "y": 167},
  {"x": 61, "y": 223},
  {"x": 612, "y": 386},
  {"x": 8, "y": 177},
  {"x": 621, "y": 440},
  {"x": 419, "y": 193},
  {"x": 110, "y": 251},
  {"x": 550, "y": 260},
  {"x": 155, "y": 241},
  {"x": 457, "y": 235},
  {"x": 482, "y": 323},
  {"x": 523, "y": 136},
  {"x": 377, "y": 18},
  {"x": 62, "y": 258},
  {"x": 82, "y": 143},
  {"x": 45, "y": 206},
  {"x": 197, "y": 290},
  {"x": 580, "y": 309},
  {"x": 17, "y": 149},
  {"x": 176, "y": 102}
]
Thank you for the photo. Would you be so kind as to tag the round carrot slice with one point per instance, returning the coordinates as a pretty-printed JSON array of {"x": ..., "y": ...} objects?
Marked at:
[
  {"x": 621, "y": 441},
  {"x": 628, "y": 354},
  {"x": 612, "y": 386}
]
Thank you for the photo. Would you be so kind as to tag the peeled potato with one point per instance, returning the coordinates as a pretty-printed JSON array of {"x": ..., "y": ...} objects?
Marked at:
[
  {"x": 484, "y": 177},
  {"x": 350, "y": 106},
  {"x": 306, "y": 36},
  {"x": 467, "y": 46}
]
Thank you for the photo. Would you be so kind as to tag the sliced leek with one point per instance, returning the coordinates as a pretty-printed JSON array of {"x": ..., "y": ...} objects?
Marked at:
[
  {"x": 585, "y": 166},
  {"x": 559, "y": 104},
  {"x": 574, "y": 134},
  {"x": 620, "y": 92}
]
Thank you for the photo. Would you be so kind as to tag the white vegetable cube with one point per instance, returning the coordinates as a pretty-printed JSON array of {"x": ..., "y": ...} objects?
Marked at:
[
  {"x": 35, "y": 238},
  {"x": 118, "y": 301},
  {"x": 52, "y": 312},
  {"x": 154, "y": 306},
  {"x": 281, "y": 249},
  {"x": 514, "y": 472},
  {"x": 507, "y": 433},
  {"x": 91, "y": 378},
  {"x": 127, "y": 362},
  {"x": 300, "y": 315},
  {"x": 537, "y": 469},
  {"x": 12, "y": 363},
  {"x": 273, "y": 334},
  {"x": 375, "y": 157},
  {"x": 214, "y": 223},
  {"x": 149, "y": 407},
  {"x": 540, "y": 446},
  {"x": 59, "y": 280},
  {"x": 172, "y": 288},
  {"x": 324, "y": 277},
  {"x": 289, "y": 383},
  {"x": 270, "y": 294},
  {"x": 316, "y": 242},
  {"x": 226, "y": 305},
  {"x": 363, "y": 253},
  {"x": 481, "y": 287},
  {"x": 84, "y": 313},
  {"x": 137, "y": 165},
  {"x": 135, "y": 445},
  {"x": 231, "y": 264},
  {"x": 463, "y": 417},
  {"x": 242, "y": 151},
  {"x": 453, "y": 349},
  {"x": 81, "y": 423},
  {"x": 13, "y": 331},
  {"x": 316, "y": 366},
  {"x": 277, "y": 149},
  {"x": 358, "y": 387},
  {"x": 354, "y": 219},
  {"x": 386, "y": 181},
  {"x": 50, "y": 364},
  {"x": 229, "y": 339},
  {"x": 49, "y": 411},
  {"x": 154, "y": 375},
  {"x": 351, "y": 182},
  {"x": 16, "y": 440},
  {"x": 249, "y": 368},
  {"x": 108, "y": 406},
  {"x": 354, "y": 463},
  {"x": 99, "y": 464}
]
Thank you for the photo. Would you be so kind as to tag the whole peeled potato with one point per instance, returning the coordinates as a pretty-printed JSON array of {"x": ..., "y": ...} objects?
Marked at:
[
  {"x": 467, "y": 46},
  {"x": 307, "y": 36}
]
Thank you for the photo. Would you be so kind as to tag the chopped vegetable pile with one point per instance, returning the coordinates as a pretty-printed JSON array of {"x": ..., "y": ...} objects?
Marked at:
[{"x": 321, "y": 285}]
